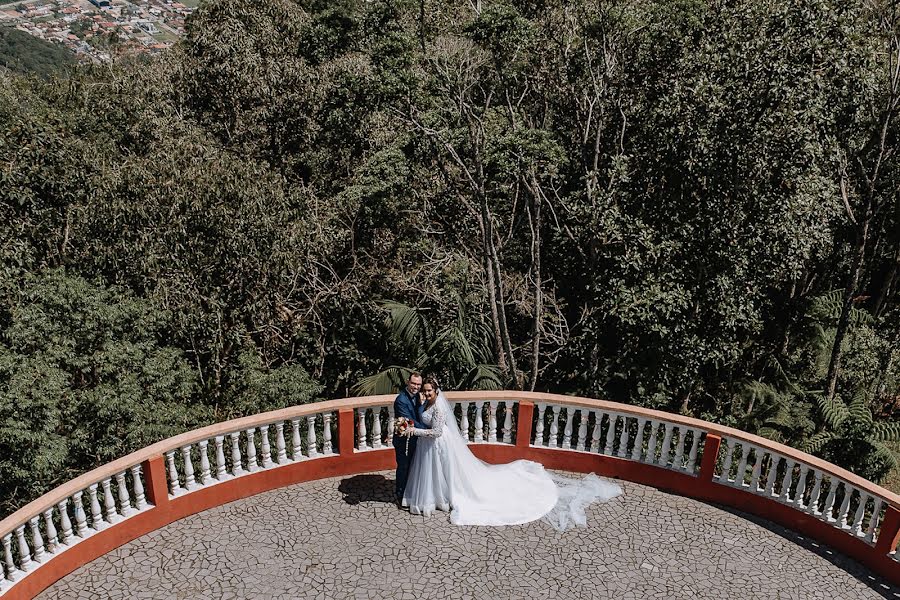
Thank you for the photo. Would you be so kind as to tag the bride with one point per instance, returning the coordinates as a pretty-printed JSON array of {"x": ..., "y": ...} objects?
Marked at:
[{"x": 446, "y": 476}]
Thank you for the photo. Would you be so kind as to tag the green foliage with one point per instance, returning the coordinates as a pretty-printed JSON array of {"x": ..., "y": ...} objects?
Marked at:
[
  {"x": 648, "y": 202},
  {"x": 87, "y": 378},
  {"x": 23, "y": 53}
]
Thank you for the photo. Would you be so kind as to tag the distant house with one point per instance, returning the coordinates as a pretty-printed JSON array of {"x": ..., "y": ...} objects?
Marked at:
[{"x": 147, "y": 26}]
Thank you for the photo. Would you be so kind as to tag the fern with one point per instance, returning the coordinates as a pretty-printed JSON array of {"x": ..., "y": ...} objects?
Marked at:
[
  {"x": 816, "y": 442},
  {"x": 886, "y": 431}
]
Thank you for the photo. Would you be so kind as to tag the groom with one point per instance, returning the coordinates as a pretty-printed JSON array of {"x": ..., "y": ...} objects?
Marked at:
[{"x": 407, "y": 405}]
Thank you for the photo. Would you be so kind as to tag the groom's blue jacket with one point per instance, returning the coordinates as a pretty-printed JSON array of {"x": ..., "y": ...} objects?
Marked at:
[{"x": 407, "y": 405}]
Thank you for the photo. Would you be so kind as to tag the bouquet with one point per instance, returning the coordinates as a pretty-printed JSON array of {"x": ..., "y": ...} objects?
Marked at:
[{"x": 401, "y": 426}]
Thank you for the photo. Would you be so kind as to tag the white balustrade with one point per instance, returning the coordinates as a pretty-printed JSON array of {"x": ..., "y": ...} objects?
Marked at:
[
  {"x": 280, "y": 447},
  {"x": 539, "y": 426},
  {"x": 582, "y": 431},
  {"x": 189, "y": 482},
  {"x": 236, "y": 466},
  {"x": 125, "y": 508},
  {"x": 50, "y": 527},
  {"x": 312, "y": 442},
  {"x": 479, "y": 422},
  {"x": 327, "y": 448},
  {"x": 12, "y": 571},
  {"x": 361, "y": 429},
  {"x": 508, "y": 408},
  {"x": 638, "y": 450},
  {"x": 37, "y": 542},
  {"x": 65, "y": 523},
  {"x": 666, "y": 449},
  {"x": 252, "y": 464},
  {"x": 492, "y": 422},
  {"x": 376, "y": 428},
  {"x": 174, "y": 484},
  {"x": 96, "y": 516},
  {"x": 296, "y": 443},
  {"x": 567, "y": 429},
  {"x": 205, "y": 476},
  {"x": 109, "y": 505}
]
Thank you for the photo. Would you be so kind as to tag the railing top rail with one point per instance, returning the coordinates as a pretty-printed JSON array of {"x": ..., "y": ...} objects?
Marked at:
[{"x": 108, "y": 470}]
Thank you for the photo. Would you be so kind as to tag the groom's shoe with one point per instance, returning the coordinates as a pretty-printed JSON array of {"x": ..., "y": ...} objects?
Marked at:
[{"x": 399, "y": 502}]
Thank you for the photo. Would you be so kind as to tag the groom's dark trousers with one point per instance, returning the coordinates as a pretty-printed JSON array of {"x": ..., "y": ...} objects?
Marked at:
[{"x": 406, "y": 405}]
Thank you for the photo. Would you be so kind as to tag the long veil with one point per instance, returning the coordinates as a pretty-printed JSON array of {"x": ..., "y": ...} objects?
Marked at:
[{"x": 516, "y": 492}]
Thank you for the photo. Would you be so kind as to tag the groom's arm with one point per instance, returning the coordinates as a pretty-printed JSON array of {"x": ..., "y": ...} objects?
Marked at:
[{"x": 407, "y": 410}]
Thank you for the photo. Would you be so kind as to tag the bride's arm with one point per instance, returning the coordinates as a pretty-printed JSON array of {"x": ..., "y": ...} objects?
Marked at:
[{"x": 437, "y": 426}]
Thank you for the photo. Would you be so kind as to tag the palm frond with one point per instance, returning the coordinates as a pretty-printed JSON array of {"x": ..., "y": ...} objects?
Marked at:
[
  {"x": 483, "y": 377},
  {"x": 406, "y": 323},
  {"x": 834, "y": 412},
  {"x": 816, "y": 442},
  {"x": 387, "y": 381},
  {"x": 886, "y": 431},
  {"x": 859, "y": 410}
]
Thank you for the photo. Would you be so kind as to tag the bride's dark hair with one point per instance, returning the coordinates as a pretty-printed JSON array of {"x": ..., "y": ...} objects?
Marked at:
[{"x": 432, "y": 380}]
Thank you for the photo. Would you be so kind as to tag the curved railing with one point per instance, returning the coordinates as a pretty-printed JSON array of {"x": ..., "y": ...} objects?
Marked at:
[{"x": 94, "y": 513}]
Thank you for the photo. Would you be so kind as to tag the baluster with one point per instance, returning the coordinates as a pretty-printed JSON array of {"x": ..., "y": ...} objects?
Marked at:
[
  {"x": 390, "y": 426},
  {"x": 174, "y": 484},
  {"x": 221, "y": 474},
  {"x": 772, "y": 474},
  {"x": 96, "y": 516},
  {"x": 376, "y": 428},
  {"x": 296, "y": 443},
  {"x": 189, "y": 482},
  {"x": 36, "y": 540},
  {"x": 582, "y": 429},
  {"x": 845, "y": 506},
  {"x": 252, "y": 463},
  {"x": 623, "y": 438},
  {"x": 24, "y": 552},
  {"x": 109, "y": 505},
  {"x": 800, "y": 493},
  {"x": 264, "y": 446},
  {"x": 786, "y": 482},
  {"x": 507, "y": 422},
  {"x": 236, "y": 467},
  {"x": 64, "y": 521},
  {"x": 638, "y": 450},
  {"x": 280, "y": 447},
  {"x": 492, "y": 422},
  {"x": 50, "y": 526},
  {"x": 651, "y": 445},
  {"x": 873, "y": 520},
  {"x": 678, "y": 461},
  {"x": 361, "y": 429},
  {"x": 326, "y": 434},
  {"x": 567, "y": 430},
  {"x": 124, "y": 499},
  {"x": 610, "y": 433},
  {"x": 311, "y": 440},
  {"x": 12, "y": 572},
  {"x": 666, "y": 449},
  {"x": 479, "y": 422},
  {"x": 742, "y": 465},
  {"x": 553, "y": 437},
  {"x": 758, "y": 456},
  {"x": 140, "y": 501},
  {"x": 205, "y": 476},
  {"x": 691, "y": 466},
  {"x": 595, "y": 432},
  {"x": 813, "y": 506},
  {"x": 856, "y": 527},
  {"x": 539, "y": 427},
  {"x": 725, "y": 477},
  {"x": 80, "y": 518},
  {"x": 828, "y": 509}
]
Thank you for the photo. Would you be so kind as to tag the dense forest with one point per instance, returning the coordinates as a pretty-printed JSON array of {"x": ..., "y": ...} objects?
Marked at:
[{"x": 690, "y": 205}]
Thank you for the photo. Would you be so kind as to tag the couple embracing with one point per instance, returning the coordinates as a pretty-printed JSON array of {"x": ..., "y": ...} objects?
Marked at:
[{"x": 437, "y": 471}]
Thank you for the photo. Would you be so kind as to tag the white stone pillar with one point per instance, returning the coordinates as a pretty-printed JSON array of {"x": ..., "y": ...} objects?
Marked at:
[
  {"x": 12, "y": 571},
  {"x": 691, "y": 466},
  {"x": 725, "y": 477},
  {"x": 327, "y": 447},
  {"x": 36, "y": 540},
  {"x": 595, "y": 432},
  {"x": 757, "y": 468},
  {"x": 873, "y": 520},
  {"x": 507, "y": 422},
  {"x": 80, "y": 518},
  {"x": 205, "y": 475},
  {"x": 666, "y": 450},
  {"x": 252, "y": 464},
  {"x": 296, "y": 443},
  {"x": 280, "y": 446},
  {"x": 264, "y": 446},
  {"x": 492, "y": 422},
  {"x": 96, "y": 516},
  {"x": 65, "y": 523},
  {"x": 610, "y": 433},
  {"x": 362, "y": 434},
  {"x": 376, "y": 428},
  {"x": 50, "y": 528},
  {"x": 174, "y": 484},
  {"x": 582, "y": 430},
  {"x": 638, "y": 450},
  {"x": 140, "y": 500},
  {"x": 24, "y": 551},
  {"x": 109, "y": 504},
  {"x": 651, "y": 445},
  {"x": 479, "y": 422},
  {"x": 124, "y": 498},
  {"x": 539, "y": 427},
  {"x": 311, "y": 439}
]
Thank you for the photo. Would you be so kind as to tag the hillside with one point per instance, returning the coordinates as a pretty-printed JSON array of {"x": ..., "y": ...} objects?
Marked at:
[{"x": 26, "y": 54}]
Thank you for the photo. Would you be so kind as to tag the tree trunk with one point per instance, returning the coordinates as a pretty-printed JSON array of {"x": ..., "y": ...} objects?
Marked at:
[
  {"x": 538, "y": 293},
  {"x": 834, "y": 364},
  {"x": 888, "y": 285}
]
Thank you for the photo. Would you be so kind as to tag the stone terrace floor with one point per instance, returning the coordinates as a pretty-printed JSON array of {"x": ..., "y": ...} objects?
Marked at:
[{"x": 342, "y": 538}]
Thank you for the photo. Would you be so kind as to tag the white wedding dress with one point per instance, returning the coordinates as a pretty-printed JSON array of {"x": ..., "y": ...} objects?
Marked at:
[{"x": 446, "y": 476}]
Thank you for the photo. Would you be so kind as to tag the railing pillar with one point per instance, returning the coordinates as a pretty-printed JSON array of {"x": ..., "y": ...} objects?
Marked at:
[
  {"x": 346, "y": 432},
  {"x": 710, "y": 454},
  {"x": 157, "y": 487},
  {"x": 523, "y": 424},
  {"x": 889, "y": 534}
]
